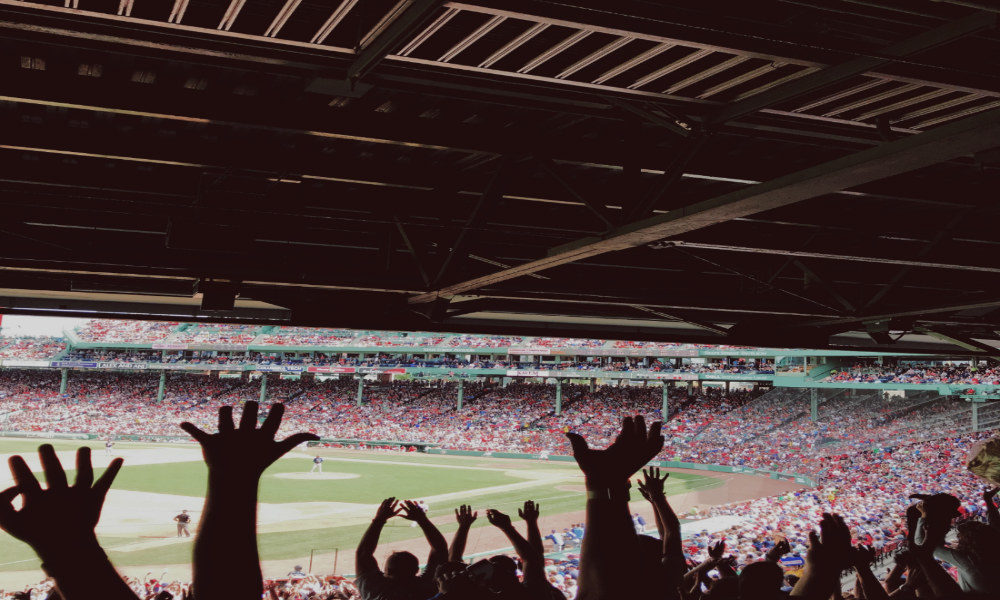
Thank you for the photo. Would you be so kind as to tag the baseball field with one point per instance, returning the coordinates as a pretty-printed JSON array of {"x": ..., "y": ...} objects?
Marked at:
[{"x": 320, "y": 517}]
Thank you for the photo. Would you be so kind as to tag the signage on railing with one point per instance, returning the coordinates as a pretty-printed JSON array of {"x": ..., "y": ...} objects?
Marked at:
[{"x": 528, "y": 373}]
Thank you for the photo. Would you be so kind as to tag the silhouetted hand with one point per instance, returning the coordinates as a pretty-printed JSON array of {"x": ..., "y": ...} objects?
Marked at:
[
  {"x": 633, "y": 448},
  {"x": 863, "y": 556},
  {"x": 715, "y": 551},
  {"x": 465, "y": 516},
  {"x": 411, "y": 511},
  {"x": 245, "y": 452},
  {"x": 387, "y": 510},
  {"x": 989, "y": 494},
  {"x": 498, "y": 519},
  {"x": 60, "y": 516},
  {"x": 831, "y": 549},
  {"x": 529, "y": 512},
  {"x": 780, "y": 549},
  {"x": 651, "y": 487}
]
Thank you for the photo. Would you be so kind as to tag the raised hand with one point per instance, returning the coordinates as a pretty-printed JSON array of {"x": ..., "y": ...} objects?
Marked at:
[
  {"x": 652, "y": 484},
  {"x": 529, "y": 512},
  {"x": 831, "y": 549},
  {"x": 634, "y": 447},
  {"x": 60, "y": 515},
  {"x": 58, "y": 523},
  {"x": 715, "y": 551},
  {"x": 387, "y": 510},
  {"x": 780, "y": 549},
  {"x": 863, "y": 556},
  {"x": 465, "y": 516},
  {"x": 411, "y": 511},
  {"x": 248, "y": 450},
  {"x": 498, "y": 519},
  {"x": 989, "y": 494}
]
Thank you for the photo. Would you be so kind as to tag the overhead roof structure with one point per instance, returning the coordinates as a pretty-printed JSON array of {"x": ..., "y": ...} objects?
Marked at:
[{"x": 791, "y": 173}]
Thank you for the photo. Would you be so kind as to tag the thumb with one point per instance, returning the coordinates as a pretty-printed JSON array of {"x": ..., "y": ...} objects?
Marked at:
[
  {"x": 578, "y": 443},
  {"x": 295, "y": 439}
]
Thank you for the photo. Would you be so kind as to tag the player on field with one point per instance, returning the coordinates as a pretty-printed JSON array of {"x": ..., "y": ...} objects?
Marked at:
[
  {"x": 108, "y": 447},
  {"x": 182, "y": 524},
  {"x": 317, "y": 465}
]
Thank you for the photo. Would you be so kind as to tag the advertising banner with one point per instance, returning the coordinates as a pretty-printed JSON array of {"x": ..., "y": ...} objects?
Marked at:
[
  {"x": 122, "y": 365},
  {"x": 14, "y": 362},
  {"x": 331, "y": 369},
  {"x": 660, "y": 376},
  {"x": 528, "y": 373},
  {"x": 279, "y": 368}
]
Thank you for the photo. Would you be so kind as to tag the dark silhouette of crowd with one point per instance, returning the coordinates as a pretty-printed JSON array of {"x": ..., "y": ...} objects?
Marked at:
[{"x": 946, "y": 551}]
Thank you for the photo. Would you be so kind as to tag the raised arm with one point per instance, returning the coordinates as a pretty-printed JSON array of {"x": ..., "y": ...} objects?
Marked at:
[
  {"x": 58, "y": 523},
  {"x": 603, "y": 573},
  {"x": 939, "y": 581},
  {"x": 660, "y": 529},
  {"x": 465, "y": 518},
  {"x": 364, "y": 556},
  {"x": 781, "y": 548},
  {"x": 411, "y": 511},
  {"x": 534, "y": 562},
  {"x": 672, "y": 557},
  {"x": 862, "y": 559},
  {"x": 829, "y": 554},
  {"x": 227, "y": 537},
  {"x": 530, "y": 513},
  {"x": 715, "y": 554}
]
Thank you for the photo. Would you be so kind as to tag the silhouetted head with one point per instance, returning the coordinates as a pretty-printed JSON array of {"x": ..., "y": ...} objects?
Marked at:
[
  {"x": 762, "y": 579},
  {"x": 978, "y": 541},
  {"x": 401, "y": 565},
  {"x": 504, "y": 572},
  {"x": 727, "y": 588}
]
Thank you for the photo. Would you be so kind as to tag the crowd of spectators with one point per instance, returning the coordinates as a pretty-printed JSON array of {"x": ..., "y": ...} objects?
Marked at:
[
  {"x": 917, "y": 373},
  {"x": 124, "y": 331},
  {"x": 903, "y": 497},
  {"x": 31, "y": 348},
  {"x": 121, "y": 331}
]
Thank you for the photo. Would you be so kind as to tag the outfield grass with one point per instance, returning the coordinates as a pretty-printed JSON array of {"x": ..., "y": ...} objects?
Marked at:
[{"x": 379, "y": 476}]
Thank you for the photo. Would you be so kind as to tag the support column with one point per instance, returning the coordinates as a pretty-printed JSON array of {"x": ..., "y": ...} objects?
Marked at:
[
  {"x": 461, "y": 389},
  {"x": 593, "y": 385},
  {"x": 64, "y": 381},
  {"x": 163, "y": 385},
  {"x": 361, "y": 389},
  {"x": 665, "y": 408},
  {"x": 813, "y": 404},
  {"x": 690, "y": 388},
  {"x": 558, "y": 397},
  {"x": 727, "y": 388},
  {"x": 975, "y": 416},
  {"x": 263, "y": 388}
]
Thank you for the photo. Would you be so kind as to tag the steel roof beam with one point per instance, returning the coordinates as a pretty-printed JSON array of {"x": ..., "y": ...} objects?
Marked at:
[
  {"x": 332, "y": 21},
  {"x": 830, "y": 75},
  {"x": 411, "y": 14},
  {"x": 961, "y": 138}
]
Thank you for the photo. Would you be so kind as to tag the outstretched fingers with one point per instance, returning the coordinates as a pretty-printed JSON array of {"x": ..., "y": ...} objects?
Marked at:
[
  {"x": 55, "y": 476},
  {"x": 23, "y": 477},
  {"x": 578, "y": 444},
  {"x": 295, "y": 439},
  {"x": 226, "y": 419},
  {"x": 248, "y": 421},
  {"x": 273, "y": 420},
  {"x": 84, "y": 469},
  {"x": 200, "y": 436},
  {"x": 103, "y": 483}
]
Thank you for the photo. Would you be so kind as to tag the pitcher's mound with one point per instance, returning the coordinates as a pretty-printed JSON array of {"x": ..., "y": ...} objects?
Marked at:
[{"x": 317, "y": 475}]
